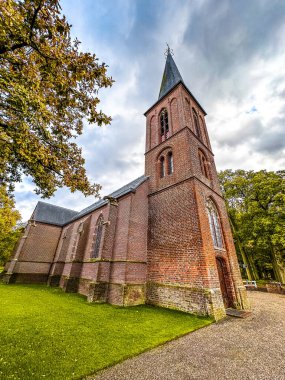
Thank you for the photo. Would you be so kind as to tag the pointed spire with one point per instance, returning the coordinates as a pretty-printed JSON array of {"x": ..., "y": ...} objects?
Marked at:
[{"x": 171, "y": 76}]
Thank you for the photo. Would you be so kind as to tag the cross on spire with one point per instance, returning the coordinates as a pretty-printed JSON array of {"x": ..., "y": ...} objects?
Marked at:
[
  {"x": 168, "y": 51},
  {"x": 171, "y": 76}
]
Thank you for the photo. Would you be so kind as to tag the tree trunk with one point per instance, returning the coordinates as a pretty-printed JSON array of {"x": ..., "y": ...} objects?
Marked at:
[
  {"x": 277, "y": 272},
  {"x": 248, "y": 266}
]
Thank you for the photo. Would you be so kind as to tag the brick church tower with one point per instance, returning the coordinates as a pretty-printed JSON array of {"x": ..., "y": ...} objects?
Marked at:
[
  {"x": 192, "y": 264},
  {"x": 162, "y": 239}
]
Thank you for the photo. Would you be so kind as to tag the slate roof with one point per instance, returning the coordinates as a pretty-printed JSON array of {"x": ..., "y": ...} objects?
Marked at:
[
  {"x": 48, "y": 213},
  {"x": 171, "y": 76}
]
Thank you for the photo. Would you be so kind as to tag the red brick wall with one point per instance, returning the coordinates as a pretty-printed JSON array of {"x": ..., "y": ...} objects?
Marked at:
[
  {"x": 175, "y": 244},
  {"x": 37, "y": 253},
  {"x": 123, "y": 248},
  {"x": 181, "y": 255}
]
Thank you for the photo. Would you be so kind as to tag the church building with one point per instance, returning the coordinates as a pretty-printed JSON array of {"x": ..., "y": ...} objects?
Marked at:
[{"x": 164, "y": 239}]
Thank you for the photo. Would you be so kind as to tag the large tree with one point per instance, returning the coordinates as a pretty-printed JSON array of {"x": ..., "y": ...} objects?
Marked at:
[
  {"x": 8, "y": 219},
  {"x": 256, "y": 206},
  {"x": 47, "y": 88}
]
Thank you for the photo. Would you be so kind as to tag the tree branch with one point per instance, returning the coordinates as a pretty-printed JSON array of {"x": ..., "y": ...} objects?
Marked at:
[
  {"x": 34, "y": 18},
  {"x": 4, "y": 49}
]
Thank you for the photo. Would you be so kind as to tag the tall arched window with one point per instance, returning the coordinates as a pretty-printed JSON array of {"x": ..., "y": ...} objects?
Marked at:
[
  {"x": 196, "y": 124},
  {"x": 188, "y": 112},
  {"x": 164, "y": 126},
  {"x": 162, "y": 167},
  {"x": 202, "y": 130},
  {"x": 203, "y": 164},
  {"x": 170, "y": 163},
  {"x": 215, "y": 225},
  {"x": 99, "y": 230}
]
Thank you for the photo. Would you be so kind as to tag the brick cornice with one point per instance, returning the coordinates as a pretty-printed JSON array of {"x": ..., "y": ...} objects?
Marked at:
[
  {"x": 175, "y": 134},
  {"x": 193, "y": 177}
]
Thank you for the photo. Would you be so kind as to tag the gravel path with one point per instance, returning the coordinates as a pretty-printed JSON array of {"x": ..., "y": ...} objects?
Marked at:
[{"x": 248, "y": 349}]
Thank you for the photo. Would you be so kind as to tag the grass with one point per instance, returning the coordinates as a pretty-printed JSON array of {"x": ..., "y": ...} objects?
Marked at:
[{"x": 48, "y": 334}]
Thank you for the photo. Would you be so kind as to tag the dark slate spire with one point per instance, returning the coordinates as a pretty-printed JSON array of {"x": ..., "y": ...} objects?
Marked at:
[{"x": 171, "y": 75}]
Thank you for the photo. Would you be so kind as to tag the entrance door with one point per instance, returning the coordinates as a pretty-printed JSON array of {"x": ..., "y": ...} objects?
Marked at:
[{"x": 222, "y": 271}]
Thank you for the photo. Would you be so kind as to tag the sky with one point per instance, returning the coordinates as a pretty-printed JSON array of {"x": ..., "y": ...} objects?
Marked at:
[{"x": 231, "y": 55}]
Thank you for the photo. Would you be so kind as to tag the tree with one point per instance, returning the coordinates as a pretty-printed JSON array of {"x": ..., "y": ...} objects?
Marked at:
[
  {"x": 47, "y": 88},
  {"x": 8, "y": 219},
  {"x": 256, "y": 206}
]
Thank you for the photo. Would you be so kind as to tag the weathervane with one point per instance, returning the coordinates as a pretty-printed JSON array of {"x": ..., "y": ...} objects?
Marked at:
[{"x": 168, "y": 51}]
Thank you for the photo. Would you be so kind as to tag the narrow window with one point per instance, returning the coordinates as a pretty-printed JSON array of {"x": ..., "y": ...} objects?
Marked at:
[
  {"x": 99, "y": 230},
  {"x": 196, "y": 124},
  {"x": 162, "y": 167},
  {"x": 203, "y": 165},
  {"x": 202, "y": 129},
  {"x": 215, "y": 226},
  {"x": 164, "y": 126},
  {"x": 188, "y": 111},
  {"x": 170, "y": 162}
]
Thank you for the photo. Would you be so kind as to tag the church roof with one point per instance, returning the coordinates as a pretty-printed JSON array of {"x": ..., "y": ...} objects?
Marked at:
[
  {"x": 60, "y": 216},
  {"x": 171, "y": 76},
  {"x": 170, "y": 79},
  {"x": 132, "y": 186},
  {"x": 48, "y": 213}
]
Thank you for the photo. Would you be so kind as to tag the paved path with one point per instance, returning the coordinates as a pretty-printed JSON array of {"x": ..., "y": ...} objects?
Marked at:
[{"x": 247, "y": 349}]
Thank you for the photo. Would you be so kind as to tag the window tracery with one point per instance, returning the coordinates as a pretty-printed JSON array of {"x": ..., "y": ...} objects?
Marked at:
[
  {"x": 204, "y": 164},
  {"x": 170, "y": 163},
  {"x": 215, "y": 225},
  {"x": 99, "y": 230},
  {"x": 164, "y": 125}
]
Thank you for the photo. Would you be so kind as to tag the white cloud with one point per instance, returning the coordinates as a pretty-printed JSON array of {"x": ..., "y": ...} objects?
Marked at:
[{"x": 231, "y": 56}]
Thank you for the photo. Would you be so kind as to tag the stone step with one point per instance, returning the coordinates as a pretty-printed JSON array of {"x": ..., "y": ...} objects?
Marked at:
[{"x": 238, "y": 313}]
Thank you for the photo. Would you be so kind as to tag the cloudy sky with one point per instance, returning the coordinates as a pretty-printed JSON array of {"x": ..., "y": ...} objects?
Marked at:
[{"x": 231, "y": 55}]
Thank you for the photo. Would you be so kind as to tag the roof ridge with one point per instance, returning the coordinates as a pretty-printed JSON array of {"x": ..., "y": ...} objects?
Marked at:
[{"x": 115, "y": 194}]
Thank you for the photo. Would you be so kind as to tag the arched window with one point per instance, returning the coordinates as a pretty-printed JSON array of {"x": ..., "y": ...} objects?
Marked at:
[
  {"x": 202, "y": 129},
  {"x": 188, "y": 112},
  {"x": 164, "y": 126},
  {"x": 203, "y": 164},
  {"x": 215, "y": 225},
  {"x": 162, "y": 167},
  {"x": 99, "y": 230},
  {"x": 170, "y": 163},
  {"x": 196, "y": 124}
]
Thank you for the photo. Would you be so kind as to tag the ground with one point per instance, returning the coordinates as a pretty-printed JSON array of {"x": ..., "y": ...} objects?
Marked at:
[
  {"x": 46, "y": 333},
  {"x": 234, "y": 349}
]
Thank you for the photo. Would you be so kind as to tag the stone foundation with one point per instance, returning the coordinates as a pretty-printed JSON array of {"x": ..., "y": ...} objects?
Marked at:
[
  {"x": 199, "y": 301},
  {"x": 117, "y": 294},
  {"x": 25, "y": 278},
  {"x": 69, "y": 284},
  {"x": 242, "y": 300},
  {"x": 97, "y": 292},
  {"x": 54, "y": 280}
]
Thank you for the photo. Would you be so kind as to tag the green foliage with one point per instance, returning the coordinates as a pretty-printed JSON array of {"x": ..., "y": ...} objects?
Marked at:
[
  {"x": 7, "y": 244},
  {"x": 256, "y": 206},
  {"x": 46, "y": 333},
  {"x": 48, "y": 87},
  {"x": 8, "y": 219}
]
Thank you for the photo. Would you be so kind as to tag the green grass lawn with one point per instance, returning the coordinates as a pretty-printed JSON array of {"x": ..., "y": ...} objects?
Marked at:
[{"x": 48, "y": 334}]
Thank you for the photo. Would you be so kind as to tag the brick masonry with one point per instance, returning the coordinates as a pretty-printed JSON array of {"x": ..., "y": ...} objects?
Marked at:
[{"x": 156, "y": 245}]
